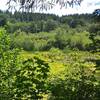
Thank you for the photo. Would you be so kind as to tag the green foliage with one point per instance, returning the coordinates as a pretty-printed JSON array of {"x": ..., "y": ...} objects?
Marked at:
[
  {"x": 3, "y": 20},
  {"x": 26, "y": 27},
  {"x": 8, "y": 65},
  {"x": 22, "y": 40},
  {"x": 55, "y": 61},
  {"x": 95, "y": 37},
  {"x": 72, "y": 39},
  {"x": 60, "y": 38},
  {"x": 32, "y": 27},
  {"x": 20, "y": 79},
  {"x": 80, "y": 41},
  {"x": 30, "y": 79},
  {"x": 71, "y": 89},
  {"x": 73, "y": 74},
  {"x": 77, "y": 82},
  {"x": 32, "y": 42},
  {"x": 51, "y": 25}
]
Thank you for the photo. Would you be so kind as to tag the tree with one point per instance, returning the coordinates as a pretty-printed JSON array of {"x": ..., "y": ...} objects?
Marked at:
[
  {"x": 3, "y": 20},
  {"x": 96, "y": 15},
  {"x": 31, "y": 5},
  {"x": 95, "y": 31},
  {"x": 50, "y": 25},
  {"x": 8, "y": 65}
]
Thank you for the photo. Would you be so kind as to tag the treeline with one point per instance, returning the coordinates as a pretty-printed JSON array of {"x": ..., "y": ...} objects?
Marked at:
[
  {"x": 28, "y": 22},
  {"x": 80, "y": 32},
  {"x": 37, "y": 22}
]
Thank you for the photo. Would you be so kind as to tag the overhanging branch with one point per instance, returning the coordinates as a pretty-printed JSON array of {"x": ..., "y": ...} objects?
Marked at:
[{"x": 31, "y": 5}]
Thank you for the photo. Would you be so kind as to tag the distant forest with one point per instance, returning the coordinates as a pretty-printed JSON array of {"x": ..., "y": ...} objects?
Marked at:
[{"x": 37, "y": 22}]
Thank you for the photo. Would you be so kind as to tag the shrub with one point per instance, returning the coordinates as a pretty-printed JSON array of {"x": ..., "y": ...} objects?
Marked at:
[
  {"x": 79, "y": 83},
  {"x": 30, "y": 79},
  {"x": 9, "y": 63}
]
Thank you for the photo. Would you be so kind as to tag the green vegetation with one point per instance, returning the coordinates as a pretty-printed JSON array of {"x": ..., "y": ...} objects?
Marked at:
[{"x": 48, "y": 57}]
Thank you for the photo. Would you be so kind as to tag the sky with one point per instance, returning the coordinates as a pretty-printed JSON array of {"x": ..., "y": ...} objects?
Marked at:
[{"x": 87, "y": 6}]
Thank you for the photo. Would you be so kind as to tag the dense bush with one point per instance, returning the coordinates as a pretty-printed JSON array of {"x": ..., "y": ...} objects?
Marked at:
[
  {"x": 30, "y": 79},
  {"x": 95, "y": 37},
  {"x": 9, "y": 62},
  {"x": 72, "y": 75},
  {"x": 79, "y": 84},
  {"x": 20, "y": 79},
  {"x": 60, "y": 38},
  {"x": 26, "y": 27}
]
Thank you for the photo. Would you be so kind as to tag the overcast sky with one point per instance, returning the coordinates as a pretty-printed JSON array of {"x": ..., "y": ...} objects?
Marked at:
[{"x": 87, "y": 6}]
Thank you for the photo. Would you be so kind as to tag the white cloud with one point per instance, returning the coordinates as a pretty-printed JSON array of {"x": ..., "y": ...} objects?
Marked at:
[{"x": 87, "y": 6}]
